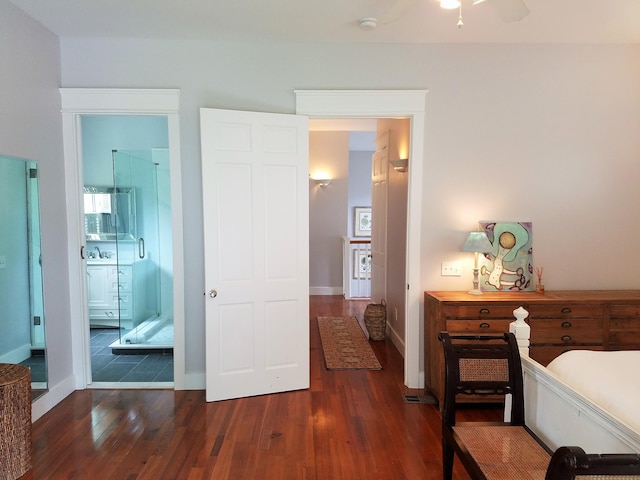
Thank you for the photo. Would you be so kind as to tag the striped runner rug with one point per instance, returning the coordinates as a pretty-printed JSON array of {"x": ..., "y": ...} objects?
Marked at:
[{"x": 345, "y": 346}]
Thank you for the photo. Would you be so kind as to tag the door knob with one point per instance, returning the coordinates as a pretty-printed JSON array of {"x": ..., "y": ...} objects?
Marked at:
[{"x": 213, "y": 293}]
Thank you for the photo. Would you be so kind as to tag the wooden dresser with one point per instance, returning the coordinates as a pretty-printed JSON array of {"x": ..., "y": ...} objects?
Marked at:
[{"x": 560, "y": 320}]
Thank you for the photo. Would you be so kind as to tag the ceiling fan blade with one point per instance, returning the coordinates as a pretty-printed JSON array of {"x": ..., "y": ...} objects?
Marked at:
[
  {"x": 510, "y": 10},
  {"x": 397, "y": 10}
]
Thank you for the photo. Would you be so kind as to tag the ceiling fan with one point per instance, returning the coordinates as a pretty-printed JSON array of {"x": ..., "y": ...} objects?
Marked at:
[{"x": 508, "y": 11}]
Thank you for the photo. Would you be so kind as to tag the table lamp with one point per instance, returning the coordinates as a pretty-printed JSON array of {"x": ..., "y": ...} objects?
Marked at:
[{"x": 477, "y": 242}]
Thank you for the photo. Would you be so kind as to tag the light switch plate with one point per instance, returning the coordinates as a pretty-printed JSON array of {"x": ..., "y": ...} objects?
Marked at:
[
  {"x": 3, "y": 261},
  {"x": 451, "y": 269}
]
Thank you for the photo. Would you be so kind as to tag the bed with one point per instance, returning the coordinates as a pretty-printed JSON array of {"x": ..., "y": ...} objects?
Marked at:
[{"x": 585, "y": 398}]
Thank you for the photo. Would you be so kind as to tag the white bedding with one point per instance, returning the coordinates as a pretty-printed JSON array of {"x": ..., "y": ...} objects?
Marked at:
[{"x": 610, "y": 379}]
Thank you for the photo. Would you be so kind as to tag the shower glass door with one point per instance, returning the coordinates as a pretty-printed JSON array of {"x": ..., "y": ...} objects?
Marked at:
[{"x": 138, "y": 247}]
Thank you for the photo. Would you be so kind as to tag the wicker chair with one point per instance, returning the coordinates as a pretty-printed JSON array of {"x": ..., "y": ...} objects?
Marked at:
[
  {"x": 569, "y": 463},
  {"x": 487, "y": 365},
  {"x": 481, "y": 365}
]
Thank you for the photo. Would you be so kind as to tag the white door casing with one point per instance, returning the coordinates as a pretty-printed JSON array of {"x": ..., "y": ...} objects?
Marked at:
[
  {"x": 256, "y": 232},
  {"x": 388, "y": 104},
  {"x": 379, "y": 198},
  {"x": 106, "y": 101}
]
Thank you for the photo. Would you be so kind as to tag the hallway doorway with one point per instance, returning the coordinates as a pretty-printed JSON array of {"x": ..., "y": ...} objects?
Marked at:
[{"x": 389, "y": 104}]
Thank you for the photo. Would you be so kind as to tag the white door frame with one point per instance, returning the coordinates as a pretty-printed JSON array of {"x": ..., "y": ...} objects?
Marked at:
[
  {"x": 105, "y": 101},
  {"x": 378, "y": 104}
]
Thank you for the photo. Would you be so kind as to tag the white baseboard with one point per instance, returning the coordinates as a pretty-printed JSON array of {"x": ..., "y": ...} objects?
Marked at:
[
  {"x": 195, "y": 381},
  {"x": 325, "y": 291},
  {"x": 17, "y": 355},
  {"x": 395, "y": 339},
  {"x": 52, "y": 397}
]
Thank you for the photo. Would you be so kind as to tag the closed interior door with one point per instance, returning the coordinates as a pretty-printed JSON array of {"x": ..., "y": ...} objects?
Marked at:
[{"x": 256, "y": 232}]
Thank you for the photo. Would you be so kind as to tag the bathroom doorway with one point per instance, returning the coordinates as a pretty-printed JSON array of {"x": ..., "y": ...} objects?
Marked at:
[{"x": 127, "y": 208}]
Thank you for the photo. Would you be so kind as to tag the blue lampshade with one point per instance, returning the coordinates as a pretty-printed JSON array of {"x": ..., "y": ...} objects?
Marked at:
[{"x": 477, "y": 242}]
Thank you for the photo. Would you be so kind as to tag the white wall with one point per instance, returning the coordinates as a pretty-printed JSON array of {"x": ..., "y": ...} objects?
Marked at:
[
  {"x": 396, "y": 229},
  {"x": 31, "y": 128},
  {"x": 328, "y": 153},
  {"x": 544, "y": 133}
]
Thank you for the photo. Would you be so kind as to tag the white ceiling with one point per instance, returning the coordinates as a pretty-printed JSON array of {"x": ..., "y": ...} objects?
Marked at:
[{"x": 423, "y": 21}]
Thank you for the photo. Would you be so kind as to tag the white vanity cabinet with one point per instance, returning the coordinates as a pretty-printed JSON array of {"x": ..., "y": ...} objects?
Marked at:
[{"x": 110, "y": 294}]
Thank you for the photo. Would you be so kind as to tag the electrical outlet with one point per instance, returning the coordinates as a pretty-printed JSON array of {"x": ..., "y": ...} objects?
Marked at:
[
  {"x": 451, "y": 269},
  {"x": 3, "y": 261}
]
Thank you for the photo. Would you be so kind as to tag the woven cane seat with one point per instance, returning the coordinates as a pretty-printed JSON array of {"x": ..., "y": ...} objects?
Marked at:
[{"x": 505, "y": 452}]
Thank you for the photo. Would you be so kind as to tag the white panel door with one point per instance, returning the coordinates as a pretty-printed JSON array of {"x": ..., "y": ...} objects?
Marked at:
[
  {"x": 256, "y": 231},
  {"x": 379, "y": 193}
]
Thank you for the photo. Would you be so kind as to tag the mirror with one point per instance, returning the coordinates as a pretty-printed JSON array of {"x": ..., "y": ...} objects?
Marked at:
[
  {"x": 22, "y": 322},
  {"x": 109, "y": 213}
]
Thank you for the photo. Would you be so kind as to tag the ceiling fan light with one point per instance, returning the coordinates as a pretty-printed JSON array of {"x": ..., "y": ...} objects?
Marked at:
[{"x": 449, "y": 4}]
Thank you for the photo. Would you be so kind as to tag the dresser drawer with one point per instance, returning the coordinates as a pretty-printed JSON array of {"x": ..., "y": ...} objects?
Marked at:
[
  {"x": 624, "y": 339},
  {"x": 624, "y": 311},
  {"x": 480, "y": 311},
  {"x": 562, "y": 310},
  {"x": 478, "y": 326},
  {"x": 618, "y": 323},
  {"x": 567, "y": 331}
]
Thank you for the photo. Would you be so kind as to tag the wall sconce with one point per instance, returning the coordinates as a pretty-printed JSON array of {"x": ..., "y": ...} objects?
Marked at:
[
  {"x": 322, "y": 182},
  {"x": 477, "y": 242},
  {"x": 400, "y": 165}
]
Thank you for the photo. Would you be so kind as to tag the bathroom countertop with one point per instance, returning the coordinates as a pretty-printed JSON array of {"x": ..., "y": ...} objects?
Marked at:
[{"x": 107, "y": 261}]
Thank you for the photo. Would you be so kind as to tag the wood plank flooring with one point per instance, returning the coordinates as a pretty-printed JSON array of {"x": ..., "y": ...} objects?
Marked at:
[{"x": 348, "y": 425}]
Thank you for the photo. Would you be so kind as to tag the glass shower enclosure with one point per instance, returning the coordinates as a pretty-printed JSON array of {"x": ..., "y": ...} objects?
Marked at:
[{"x": 143, "y": 249}]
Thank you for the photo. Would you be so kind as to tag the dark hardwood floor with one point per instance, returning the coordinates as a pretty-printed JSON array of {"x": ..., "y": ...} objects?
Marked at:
[{"x": 349, "y": 425}]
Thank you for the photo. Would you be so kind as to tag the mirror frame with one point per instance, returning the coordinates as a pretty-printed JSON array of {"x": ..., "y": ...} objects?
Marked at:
[{"x": 103, "y": 233}]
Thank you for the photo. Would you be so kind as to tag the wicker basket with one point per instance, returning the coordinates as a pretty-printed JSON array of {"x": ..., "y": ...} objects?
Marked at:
[
  {"x": 375, "y": 319},
  {"x": 15, "y": 421}
]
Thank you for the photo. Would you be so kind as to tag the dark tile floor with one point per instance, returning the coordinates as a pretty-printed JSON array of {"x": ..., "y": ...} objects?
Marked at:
[
  {"x": 141, "y": 366},
  {"x": 37, "y": 366}
]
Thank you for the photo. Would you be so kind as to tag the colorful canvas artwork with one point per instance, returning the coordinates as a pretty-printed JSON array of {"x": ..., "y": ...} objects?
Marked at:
[{"x": 509, "y": 268}]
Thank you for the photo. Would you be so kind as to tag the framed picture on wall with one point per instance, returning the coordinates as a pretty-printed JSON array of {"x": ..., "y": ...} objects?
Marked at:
[
  {"x": 362, "y": 222},
  {"x": 361, "y": 264}
]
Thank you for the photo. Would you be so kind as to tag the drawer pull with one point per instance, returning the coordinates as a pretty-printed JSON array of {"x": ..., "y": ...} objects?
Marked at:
[
  {"x": 566, "y": 338},
  {"x": 484, "y": 325},
  {"x": 566, "y": 325},
  {"x": 484, "y": 311},
  {"x": 566, "y": 310}
]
